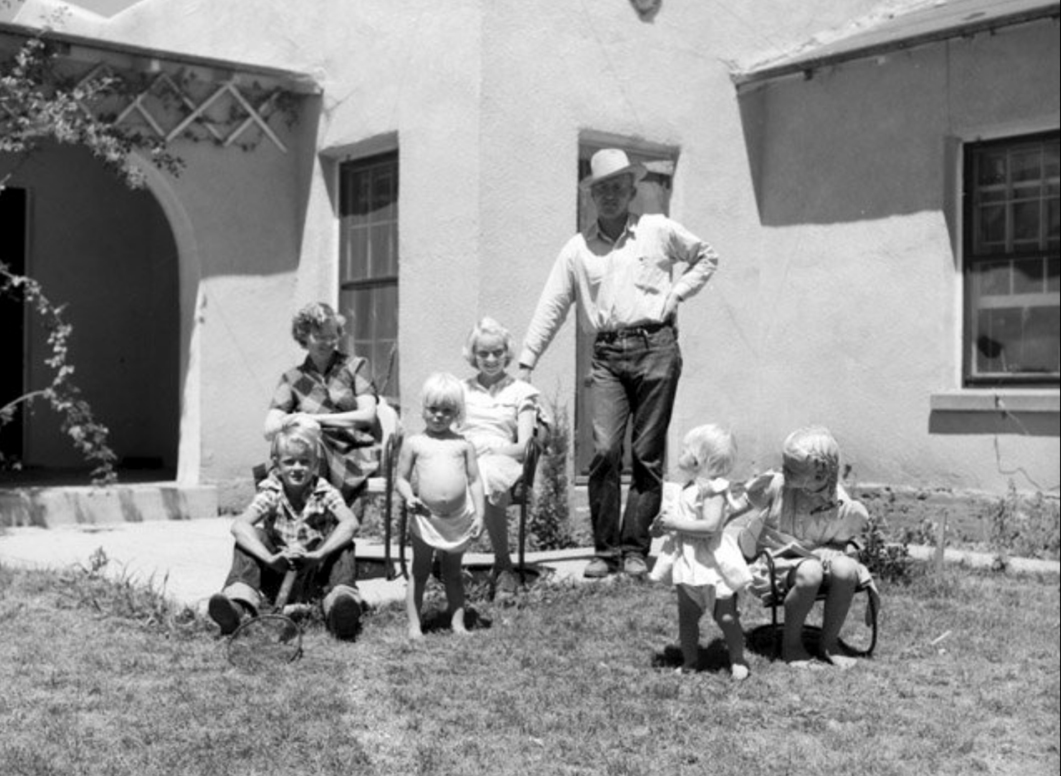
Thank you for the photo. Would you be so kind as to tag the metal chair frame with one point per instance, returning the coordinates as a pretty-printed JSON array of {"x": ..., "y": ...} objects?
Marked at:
[{"x": 775, "y": 600}]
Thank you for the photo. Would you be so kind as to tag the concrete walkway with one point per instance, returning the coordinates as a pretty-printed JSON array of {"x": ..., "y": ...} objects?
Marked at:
[{"x": 188, "y": 559}]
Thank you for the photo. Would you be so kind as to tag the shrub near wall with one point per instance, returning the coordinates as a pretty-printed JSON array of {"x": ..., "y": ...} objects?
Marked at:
[
  {"x": 1016, "y": 524},
  {"x": 549, "y": 523}
]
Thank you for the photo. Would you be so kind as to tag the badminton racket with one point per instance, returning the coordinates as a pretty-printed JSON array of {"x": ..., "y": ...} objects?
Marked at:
[{"x": 268, "y": 639}]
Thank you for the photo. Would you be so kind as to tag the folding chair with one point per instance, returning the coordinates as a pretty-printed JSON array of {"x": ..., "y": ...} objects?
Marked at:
[
  {"x": 391, "y": 446},
  {"x": 521, "y": 491},
  {"x": 856, "y": 638}
]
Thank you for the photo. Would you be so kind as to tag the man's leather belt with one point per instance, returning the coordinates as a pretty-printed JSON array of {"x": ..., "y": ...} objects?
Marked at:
[{"x": 640, "y": 330}]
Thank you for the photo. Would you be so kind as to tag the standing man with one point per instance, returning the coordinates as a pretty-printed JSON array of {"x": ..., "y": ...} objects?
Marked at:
[{"x": 624, "y": 273}]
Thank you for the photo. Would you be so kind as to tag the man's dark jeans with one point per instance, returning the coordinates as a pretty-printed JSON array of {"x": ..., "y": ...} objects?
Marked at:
[{"x": 634, "y": 379}]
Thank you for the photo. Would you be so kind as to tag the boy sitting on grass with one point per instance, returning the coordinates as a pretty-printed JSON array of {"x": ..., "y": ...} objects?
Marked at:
[{"x": 295, "y": 521}]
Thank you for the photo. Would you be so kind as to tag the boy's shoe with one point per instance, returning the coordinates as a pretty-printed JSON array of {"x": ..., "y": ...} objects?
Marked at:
[
  {"x": 225, "y": 613},
  {"x": 598, "y": 568},
  {"x": 344, "y": 618},
  {"x": 635, "y": 566}
]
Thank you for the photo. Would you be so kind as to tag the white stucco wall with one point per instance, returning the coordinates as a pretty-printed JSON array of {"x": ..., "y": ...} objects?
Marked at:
[
  {"x": 838, "y": 297},
  {"x": 860, "y": 285}
]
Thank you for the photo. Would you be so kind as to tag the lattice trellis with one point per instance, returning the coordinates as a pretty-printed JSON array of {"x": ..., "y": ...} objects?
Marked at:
[{"x": 223, "y": 109}]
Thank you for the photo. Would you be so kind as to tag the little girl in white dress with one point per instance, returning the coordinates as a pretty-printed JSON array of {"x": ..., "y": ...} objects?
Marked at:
[{"x": 702, "y": 561}]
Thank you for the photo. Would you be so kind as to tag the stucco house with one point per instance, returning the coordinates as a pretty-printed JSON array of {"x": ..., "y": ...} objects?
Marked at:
[{"x": 881, "y": 180}]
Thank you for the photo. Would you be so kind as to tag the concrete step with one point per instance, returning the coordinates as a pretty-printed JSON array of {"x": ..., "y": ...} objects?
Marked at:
[{"x": 51, "y": 507}]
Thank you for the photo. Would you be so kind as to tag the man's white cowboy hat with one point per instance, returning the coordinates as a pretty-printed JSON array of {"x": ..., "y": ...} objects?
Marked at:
[{"x": 609, "y": 163}]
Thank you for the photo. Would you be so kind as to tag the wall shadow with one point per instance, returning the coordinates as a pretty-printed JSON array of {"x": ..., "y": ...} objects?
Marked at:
[
  {"x": 1039, "y": 424},
  {"x": 835, "y": 149}
]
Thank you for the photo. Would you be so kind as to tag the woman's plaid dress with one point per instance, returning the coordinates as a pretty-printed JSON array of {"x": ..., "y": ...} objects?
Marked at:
[{"x": 349, "y": 456}]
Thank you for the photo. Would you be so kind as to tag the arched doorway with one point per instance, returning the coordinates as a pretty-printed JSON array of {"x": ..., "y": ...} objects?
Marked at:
[{"x": 108, "y": 254}]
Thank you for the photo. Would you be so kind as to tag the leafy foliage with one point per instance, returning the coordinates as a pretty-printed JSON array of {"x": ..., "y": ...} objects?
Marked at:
[
  {"x": 126, "y": 598},
  {"x": 886, "y": 560},
  {"x": 1025, "y": 526},
  {"x": 549, "y": 521},
  {"x": 88, "y": 435},
  {"x": 39, "y": 103}
]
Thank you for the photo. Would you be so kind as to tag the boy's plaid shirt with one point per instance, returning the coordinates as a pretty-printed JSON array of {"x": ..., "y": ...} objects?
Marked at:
[{"x": 285, "y": 526}]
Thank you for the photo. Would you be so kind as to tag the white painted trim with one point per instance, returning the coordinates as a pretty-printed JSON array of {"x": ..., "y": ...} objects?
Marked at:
[
  {"x": 192, "y": 301},
  {"x": 997, "y": 400},
  {"x": 979, "y": 133},
  {"x": 371, "y": 146}
]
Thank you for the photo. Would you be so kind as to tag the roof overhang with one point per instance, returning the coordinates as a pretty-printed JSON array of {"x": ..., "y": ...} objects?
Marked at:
[
  {"x": 920, "y": 26},
  {"x": 137, "y": 58}
]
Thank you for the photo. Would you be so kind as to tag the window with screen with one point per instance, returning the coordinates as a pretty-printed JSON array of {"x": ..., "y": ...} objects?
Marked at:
[
  {"x": 1012, "y": 264},
  {"x": 368, "y": 265}
]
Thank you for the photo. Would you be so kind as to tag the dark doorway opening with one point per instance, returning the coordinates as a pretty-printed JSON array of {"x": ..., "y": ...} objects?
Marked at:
[{"x": 13, "y": 203}]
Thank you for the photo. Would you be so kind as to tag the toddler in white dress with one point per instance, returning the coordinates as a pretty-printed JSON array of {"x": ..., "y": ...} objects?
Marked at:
[{"x": 702, "y": 561}]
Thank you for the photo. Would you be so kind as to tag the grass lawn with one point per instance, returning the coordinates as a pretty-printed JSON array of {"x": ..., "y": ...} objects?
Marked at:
[{"x": 102, "y": 678}]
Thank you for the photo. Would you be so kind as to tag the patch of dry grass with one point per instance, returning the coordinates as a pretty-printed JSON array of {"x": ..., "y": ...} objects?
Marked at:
[{"x": 577, "y": 679}]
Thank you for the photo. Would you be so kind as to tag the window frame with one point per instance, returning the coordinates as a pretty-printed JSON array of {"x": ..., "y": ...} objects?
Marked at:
[
  {"x": 973, "y": 257},
  {"x": 385, "y": 376}
]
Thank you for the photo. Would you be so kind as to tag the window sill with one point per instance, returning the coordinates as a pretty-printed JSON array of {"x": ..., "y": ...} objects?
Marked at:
[
  {"x": 1028, "y": 412},
  {"x": 997, "y": 400}
]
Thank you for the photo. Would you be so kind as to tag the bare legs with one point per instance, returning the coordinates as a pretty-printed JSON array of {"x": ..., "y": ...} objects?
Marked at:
[
  {"x": 808, "y": 578},
  {"x": 451, "y": 579},
  {"x": 728, "y": 621}
]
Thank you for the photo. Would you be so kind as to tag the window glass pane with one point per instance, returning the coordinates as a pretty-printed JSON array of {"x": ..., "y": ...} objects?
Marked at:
[
  {"x": 387, "y": 312},
  {"x": 364, "y": 310},
  {"x": 1053, "y": 223},
  {"x": 987, "y": 196},
  {"x": 356, "y": 189},
  {"x": 993, "y": 277},
  {"x": 1039, "y": 341},
  {"x": 992, "y": 168},
  {"x": 999, "y": 342},
  {"x": 1014, "y": 306},
  {"x": 369, "y": 262},
  {"x": 1051, "y": 160},
  {"x": 1025, "y": 166},
  {"x": 372, "y": 313},
  {"x": 383, "y": 253},
  {"x": 1026, "y": 222},
  {"x": 993, "y": 225},
  {"x": 384, "y": 194},
  {"x": 990, "y": 347},
  {"x": 1028, "y": 276},
  {"x": 354, "y": 248}
]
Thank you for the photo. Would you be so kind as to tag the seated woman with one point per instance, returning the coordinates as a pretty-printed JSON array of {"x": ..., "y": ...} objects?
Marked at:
[
  {"x": 500, "y": 413},
  {"x": 812, "y": 528},
  {"x": 328, "y": 388}
]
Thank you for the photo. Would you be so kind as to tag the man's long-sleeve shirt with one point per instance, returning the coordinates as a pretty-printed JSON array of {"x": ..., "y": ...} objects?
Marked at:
[{"x": 620, "y": 283}]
